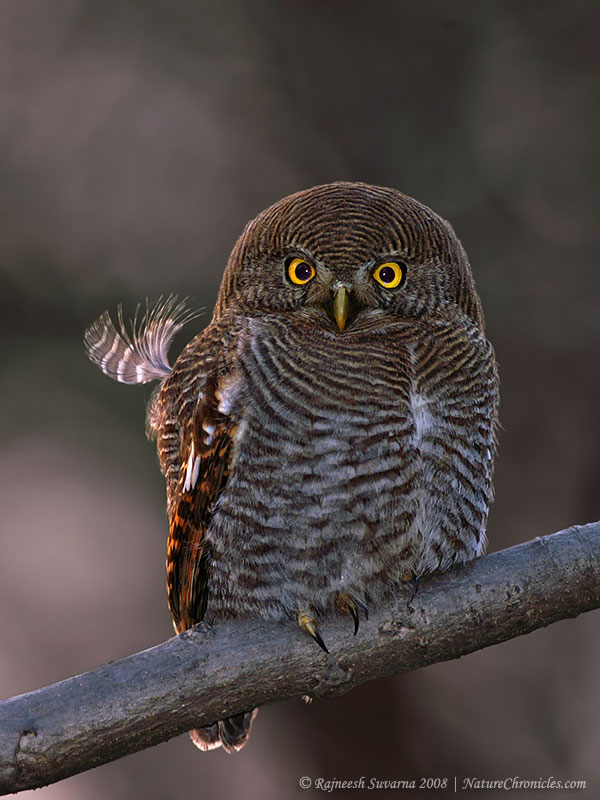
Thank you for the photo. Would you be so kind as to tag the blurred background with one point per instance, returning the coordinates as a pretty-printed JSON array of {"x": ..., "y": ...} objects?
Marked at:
[{"x": 137, "y": 138}]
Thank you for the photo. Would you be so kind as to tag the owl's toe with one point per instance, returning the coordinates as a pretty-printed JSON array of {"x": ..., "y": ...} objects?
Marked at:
[
  {"x": 346, "y": 605},
  {"x": 308, "y": 624}
]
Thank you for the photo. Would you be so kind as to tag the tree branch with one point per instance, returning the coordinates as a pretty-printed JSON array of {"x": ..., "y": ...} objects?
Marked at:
[{"x": 208, "y": 674}]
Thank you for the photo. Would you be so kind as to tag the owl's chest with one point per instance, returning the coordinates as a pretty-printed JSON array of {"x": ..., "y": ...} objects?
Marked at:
[
  {"x": 322, "y": 417},
  {"x": 342, "y": 468}
]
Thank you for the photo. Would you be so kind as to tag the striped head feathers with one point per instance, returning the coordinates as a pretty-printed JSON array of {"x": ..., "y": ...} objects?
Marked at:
[{"x": 378, "y": 251}]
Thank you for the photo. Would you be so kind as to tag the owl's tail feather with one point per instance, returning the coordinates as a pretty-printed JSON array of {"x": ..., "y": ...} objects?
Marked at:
[
  {"x": 141, "y": 355},
  {"x": 231, "y": 734}
]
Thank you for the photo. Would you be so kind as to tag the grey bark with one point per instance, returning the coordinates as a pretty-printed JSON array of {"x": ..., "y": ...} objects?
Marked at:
[{"x": 208, "y": 674}]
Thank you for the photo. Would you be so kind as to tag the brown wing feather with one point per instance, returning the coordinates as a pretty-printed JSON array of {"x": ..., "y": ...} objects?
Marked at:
[
  {"x": 195, "y": 447},
  {"x": 204, "y": 464},
  {"x": 187, "y": 558}
]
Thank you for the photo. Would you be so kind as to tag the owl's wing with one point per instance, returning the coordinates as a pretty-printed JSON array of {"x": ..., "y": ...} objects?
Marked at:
[
  {"x": 204, "y": 476},
  {"x": 194, "y": 437},
  {"x": 195, "y": 442}
]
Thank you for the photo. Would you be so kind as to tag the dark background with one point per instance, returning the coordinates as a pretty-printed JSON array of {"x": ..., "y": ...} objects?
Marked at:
[{"x": 137, "y": 138}]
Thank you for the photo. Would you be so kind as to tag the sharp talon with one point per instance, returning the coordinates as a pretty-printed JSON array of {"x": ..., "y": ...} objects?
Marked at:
[
  {"x": 415, "y": 588},
  {"x": 352, "y": 610},
  {"x": 346, "y": 605},
  {"x": 307, "y": 623},
  {"x": 317, "y": 637}
]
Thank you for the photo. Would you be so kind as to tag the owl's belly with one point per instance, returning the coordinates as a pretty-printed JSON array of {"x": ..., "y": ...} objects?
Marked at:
[
  {"x": 334, "y": 489},
  {"x": 323, "y": 514}
]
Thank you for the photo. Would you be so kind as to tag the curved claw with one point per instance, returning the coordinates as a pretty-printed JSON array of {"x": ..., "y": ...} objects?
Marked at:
[
  {"x": 415, "y": 588},
  {"x": 346, "y": 605},
  {"x": 308, "y": 624}
]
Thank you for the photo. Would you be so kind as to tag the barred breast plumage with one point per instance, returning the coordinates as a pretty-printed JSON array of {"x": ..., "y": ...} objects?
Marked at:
[{"x": 331, "y": 433}]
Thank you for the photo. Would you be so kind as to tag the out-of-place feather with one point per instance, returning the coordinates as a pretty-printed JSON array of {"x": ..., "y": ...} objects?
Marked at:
[{"x": 141, "y": 354}]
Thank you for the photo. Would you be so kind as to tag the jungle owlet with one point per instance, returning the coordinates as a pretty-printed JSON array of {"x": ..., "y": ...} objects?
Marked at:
[{"x": 331, "y": 432}]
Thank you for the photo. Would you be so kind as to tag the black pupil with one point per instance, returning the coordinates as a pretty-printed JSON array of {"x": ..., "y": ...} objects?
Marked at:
[
  {"x": 387, "y": 275},
  {"x": 303, "y": 271}
]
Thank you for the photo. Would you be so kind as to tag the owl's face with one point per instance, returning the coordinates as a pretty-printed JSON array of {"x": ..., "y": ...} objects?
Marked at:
[{"x": 348, "y": 253}]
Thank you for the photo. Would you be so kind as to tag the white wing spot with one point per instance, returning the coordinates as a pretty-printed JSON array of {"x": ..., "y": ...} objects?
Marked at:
[
  {"x": 196, "y": 471},
  {"x": 209, "y": 430},
  {"x": 192, "y": 471}
]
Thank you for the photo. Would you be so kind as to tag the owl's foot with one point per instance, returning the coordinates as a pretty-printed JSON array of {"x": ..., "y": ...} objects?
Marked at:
[
  {"x": 308, "y": 624},
  {"x": 346, "y": 605}
]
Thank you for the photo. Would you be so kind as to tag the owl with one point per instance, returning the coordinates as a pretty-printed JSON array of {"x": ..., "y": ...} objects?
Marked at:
[{"x": 331, "y": 433}]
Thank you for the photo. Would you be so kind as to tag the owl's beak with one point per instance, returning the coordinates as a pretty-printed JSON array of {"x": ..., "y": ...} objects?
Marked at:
[{"x": 341, "y": 305}]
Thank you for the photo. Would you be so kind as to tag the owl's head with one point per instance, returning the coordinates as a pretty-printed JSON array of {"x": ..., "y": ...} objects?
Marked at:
[{"x": 345, "y": 253}]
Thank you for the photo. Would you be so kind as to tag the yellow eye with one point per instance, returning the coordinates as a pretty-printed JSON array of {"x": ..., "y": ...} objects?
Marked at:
[
  {"x": 300, "y": 271},
  {"x": 390, "y": 274}
]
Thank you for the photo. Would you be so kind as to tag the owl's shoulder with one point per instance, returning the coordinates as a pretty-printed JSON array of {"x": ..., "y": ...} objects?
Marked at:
[{"x": 191, "y": 400}]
